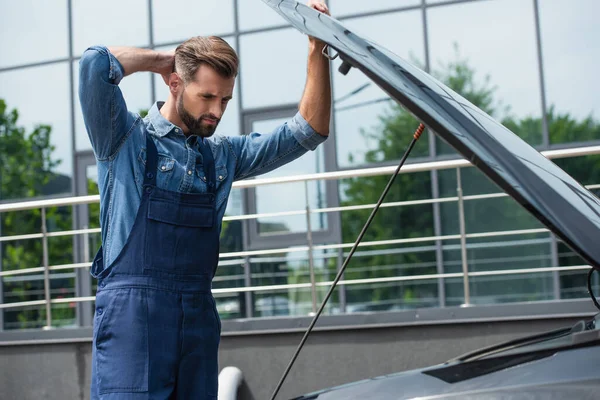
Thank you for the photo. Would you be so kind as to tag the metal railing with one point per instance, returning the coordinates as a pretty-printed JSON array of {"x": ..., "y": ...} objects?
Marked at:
[{"x": 242, "y": 258}]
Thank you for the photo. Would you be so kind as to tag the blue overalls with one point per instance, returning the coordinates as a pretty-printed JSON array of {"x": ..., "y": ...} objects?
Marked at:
[{"x": 156, "y": 326}]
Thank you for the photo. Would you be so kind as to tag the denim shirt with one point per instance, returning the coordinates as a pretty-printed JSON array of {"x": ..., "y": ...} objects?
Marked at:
[{"x": 118, "y": 139}]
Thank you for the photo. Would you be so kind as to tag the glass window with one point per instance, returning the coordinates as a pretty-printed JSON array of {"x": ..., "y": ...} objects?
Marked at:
[
  {"x": 292, "y": 268},
  {"x": 43, "y": 37},
  {"x": 257, "y": 16},
  {"x": 273, "y": 67},
  {"x": 50, "y": 106},
  {"x": 362, "y": 136},
  {"x": 136, "y": 91},
  {"x": 232, "y": 231},
  {"x": 290, "y": 196},
  {"x": 212, "y": 17},
  {"x": 392, "y": 261},
  {"x": 571, "y": 56},
  {"x": 486, "y": 51},
  {"x": 230, "y": 274},
  {"x": 390, "y": 223},
  {"x": 500, "y": 252},
  {"x": 110, "y": 22},
  {"x": 345, "y": 7},
  {"x": 573, "y": 284}
]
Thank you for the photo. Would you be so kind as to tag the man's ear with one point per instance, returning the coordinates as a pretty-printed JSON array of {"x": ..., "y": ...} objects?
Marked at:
[{"x": 175, "y": 82}]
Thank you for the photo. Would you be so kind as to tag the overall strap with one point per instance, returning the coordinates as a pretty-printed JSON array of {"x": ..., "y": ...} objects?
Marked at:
[
  {"x": 208, "y": 164},
  {"x": 151, "y": 162}
]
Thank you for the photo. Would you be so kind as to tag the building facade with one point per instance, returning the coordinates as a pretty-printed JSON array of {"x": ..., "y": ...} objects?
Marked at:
[{"x": 528, "y": 63}]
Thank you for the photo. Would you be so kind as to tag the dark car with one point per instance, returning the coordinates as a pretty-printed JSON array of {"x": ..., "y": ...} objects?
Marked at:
[{"x": 563, "y": 364}]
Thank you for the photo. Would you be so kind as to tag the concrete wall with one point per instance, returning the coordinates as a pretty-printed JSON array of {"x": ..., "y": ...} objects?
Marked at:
[{"x": 330, "y": 357}]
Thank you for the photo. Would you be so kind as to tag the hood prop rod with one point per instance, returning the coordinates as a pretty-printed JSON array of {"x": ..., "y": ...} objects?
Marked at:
[{"x": 416, "y": 137}]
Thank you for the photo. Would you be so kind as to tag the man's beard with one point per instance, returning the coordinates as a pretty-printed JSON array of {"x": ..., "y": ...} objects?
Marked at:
[{"x": 196, "y": 126}]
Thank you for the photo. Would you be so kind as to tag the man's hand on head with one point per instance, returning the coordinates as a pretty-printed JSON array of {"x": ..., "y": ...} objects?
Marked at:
[{"x": 165, "y": 64}]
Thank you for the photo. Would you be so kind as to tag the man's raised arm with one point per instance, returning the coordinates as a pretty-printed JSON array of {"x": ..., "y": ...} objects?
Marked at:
[{"x": 105, "y": 114}]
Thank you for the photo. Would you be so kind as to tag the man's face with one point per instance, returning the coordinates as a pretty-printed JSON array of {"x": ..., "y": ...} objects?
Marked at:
[{"x": 202, "y": 102}]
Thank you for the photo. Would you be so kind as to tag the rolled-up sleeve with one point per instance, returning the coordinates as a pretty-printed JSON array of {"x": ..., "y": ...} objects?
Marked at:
[
  {"x": 304, "y": 133},
  {"x": 258, "y": 153},
  {"x": 104, "y": 110}
]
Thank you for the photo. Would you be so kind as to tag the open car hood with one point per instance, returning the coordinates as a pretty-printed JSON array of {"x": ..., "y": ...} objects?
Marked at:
[{"x": 545, "y": 190}]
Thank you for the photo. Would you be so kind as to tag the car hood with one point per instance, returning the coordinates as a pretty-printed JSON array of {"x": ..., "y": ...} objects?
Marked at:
[
  {"x": 569, "y": 374},
  {"x": 545, "y": 190}
]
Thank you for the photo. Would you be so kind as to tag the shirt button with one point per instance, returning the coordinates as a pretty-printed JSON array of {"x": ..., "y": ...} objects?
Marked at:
[
  {"x": 220, "y": 177},
  {"x": 100, "y": 311},
  {"x": 204, "y": 178},
  {"x": 190, "y": 172},
  {"x": 176, "y": 130},
  {"x": 163, "y": 167}
]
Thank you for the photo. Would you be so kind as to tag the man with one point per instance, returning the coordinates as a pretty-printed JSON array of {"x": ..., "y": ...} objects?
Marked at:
[{"x": 164, "y": 182}]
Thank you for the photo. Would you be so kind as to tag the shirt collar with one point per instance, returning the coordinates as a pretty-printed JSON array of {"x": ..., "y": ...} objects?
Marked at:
[{"x": 162, "y": 126}]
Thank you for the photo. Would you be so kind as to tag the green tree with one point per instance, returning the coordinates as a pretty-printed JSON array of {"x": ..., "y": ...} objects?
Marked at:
[{"x": 27, "y": 170}]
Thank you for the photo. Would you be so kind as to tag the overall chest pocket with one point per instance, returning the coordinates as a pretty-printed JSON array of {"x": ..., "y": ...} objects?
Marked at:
[{"x": 181, "y": 238}]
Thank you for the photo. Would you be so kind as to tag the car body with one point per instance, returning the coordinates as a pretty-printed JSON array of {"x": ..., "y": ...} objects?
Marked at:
[{"x": 563, "y": 364}]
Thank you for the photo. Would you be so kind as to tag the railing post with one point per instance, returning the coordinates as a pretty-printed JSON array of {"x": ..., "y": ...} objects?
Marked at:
[
  {"x": 554, "y": 263},
  {"x": 248, "y": 283},
  {"x": 311, "y": 265},
  {"x": 463, "y": 239},
  {"x": 83, "y": 283},
  {"x": 46, "y": 270}
]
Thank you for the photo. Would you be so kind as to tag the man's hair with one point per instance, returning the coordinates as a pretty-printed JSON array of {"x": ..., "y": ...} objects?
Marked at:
[{"x": 210, "y": 50}]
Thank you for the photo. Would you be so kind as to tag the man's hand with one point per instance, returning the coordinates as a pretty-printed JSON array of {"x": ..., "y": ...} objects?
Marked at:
[
  {"x": 320, "y": 6},
  {"x": 315, "y": 105},
  {"x": 135, "y": 60},
  {"x": 166, "y": 64}
]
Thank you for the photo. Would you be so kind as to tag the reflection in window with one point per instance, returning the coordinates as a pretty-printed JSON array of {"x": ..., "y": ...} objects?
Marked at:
[
  {"x": 345, "y": 7},
  {"x": 370, "y": 128},
  {"x": 571, "y": 56},
  {"x": 230, "y": 274},
  {"x": 502, "y": 252},
  {"x": 109, "y": 22},
  {"x": 290, "y": 196},
  {"x": 390, "y": 223},
  {"x": 273, "y": 65},
  {"x": 292, "y": 268},
  {"x": 44, "y": 36},
  {"x": 232, "y": 231},
  {"x": 573, "y": 284},
  {"x": 47, "y": 110},
  {"x": 252, "y": 17},
  {"x": 207, "y": 17},
  {"x": 486, "y": 51},
  {"x": 392, "y": 261}
]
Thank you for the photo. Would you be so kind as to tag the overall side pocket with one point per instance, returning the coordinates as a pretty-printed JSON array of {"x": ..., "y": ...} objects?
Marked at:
[{"x": 122, "y": 343}]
